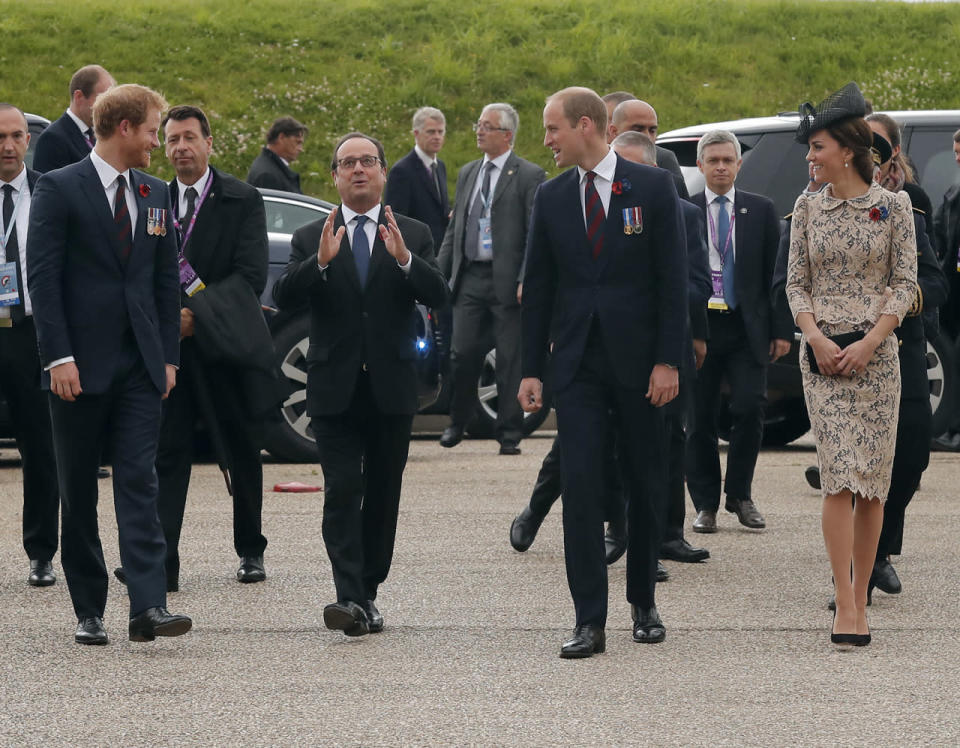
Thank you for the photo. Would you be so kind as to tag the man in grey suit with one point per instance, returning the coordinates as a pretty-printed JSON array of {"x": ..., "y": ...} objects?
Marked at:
[{"x": 482, "y": 258}]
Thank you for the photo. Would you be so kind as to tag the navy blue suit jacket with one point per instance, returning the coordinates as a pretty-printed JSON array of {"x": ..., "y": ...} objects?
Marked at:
[
  {"x": 636, "y": 289},
  {"x": 411, "y": 192},
  {"x": 700, "y": 287},
  {"x": 61, "y": 144},
  {"x": 84, "y": 298}
]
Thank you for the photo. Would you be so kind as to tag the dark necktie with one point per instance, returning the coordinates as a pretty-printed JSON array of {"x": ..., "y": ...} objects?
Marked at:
[
  {"x": 478, "y": 210},
  {"x": 121, "y": 216},
  {"x": 191, "y": 194},
  {"x": 723, "y": 229},
  {"x": 594, "y": 215},
  {"x": 18, "y": 311},
  {"x": 361, "y": 250},
  {"x": 91, "y": 138},
  {"x": 436, "y": 180}
]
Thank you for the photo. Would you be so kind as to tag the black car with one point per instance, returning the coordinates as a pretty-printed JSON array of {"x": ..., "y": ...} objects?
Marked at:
[{"x": 774, "y": 165}]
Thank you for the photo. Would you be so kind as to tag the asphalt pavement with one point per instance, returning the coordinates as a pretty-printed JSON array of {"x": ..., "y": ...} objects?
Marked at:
[{"x": 470, "y": 651}]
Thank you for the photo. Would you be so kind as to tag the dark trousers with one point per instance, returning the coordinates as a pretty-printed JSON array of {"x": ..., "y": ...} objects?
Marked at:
[
  {"x": 728, "y": 359},
  {"x": 362, "y": 453},
  {"x": 126, "y": 421},
  {"x": 181, "y": 412},
  {"x": 914, "y": 430},
  {"x": 587, "y": 409},
  {"x": 675, "y": 495},
  {"x": 479, "y": 323},
  {"x": 30, "y": 413}
]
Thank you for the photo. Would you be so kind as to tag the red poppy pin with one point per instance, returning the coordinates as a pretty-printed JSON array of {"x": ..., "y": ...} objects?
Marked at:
[
  {"x": 879, "y": 214},
  {"x": 144, "y": 190},
  {"x": 620, "y": 186}
]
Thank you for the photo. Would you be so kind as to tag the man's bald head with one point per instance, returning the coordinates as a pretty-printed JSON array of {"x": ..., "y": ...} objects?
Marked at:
[
  {"x": 636, "y": 147},
  {"x": 635, "y": 115}
]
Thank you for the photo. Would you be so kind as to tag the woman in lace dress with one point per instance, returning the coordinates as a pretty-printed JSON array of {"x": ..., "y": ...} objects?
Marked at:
[{"x": 852, "y": 268}]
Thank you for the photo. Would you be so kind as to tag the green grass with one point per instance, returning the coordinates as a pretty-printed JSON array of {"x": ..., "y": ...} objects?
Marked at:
[{"x": 360, "y": 64}]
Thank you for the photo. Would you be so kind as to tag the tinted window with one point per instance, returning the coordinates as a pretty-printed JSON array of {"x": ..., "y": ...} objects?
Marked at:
[
  {"x": 775, "y": 167},
  {"x": 286, "y": 217},
  {"x": 931, "y": 151},
  {"x": 35, "y": 129}
]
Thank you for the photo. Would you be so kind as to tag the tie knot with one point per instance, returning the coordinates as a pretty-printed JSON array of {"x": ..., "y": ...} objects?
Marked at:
[
  {"x": 191, "y": 193},
  {"x": 8, "y": 190},
  {"x": 360, "y": 221},
  {"x": 121, "y": 182},
  {"x": 590, "y": 176},
  {"x": 721, "y": 200}
]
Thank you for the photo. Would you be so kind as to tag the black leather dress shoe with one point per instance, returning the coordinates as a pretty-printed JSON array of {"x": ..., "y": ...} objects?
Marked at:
[
  {"x": 374, "y": 617},
  {"x": 615, "y": 546},
  {"x": 586, "y": 641},
  {"x": 41, "y": 574},
  {"x": 347, "y": 617},
  {"x": 102, "y": 472},
  {"x": 884, "y": 577},
  {"x": 158, "y": 621},
  {"x": 452, "y": 436},
  {"x": 662, "y": 574},
  {"x": 509, "y": 447},
  {"x": 705, "y": 522},
  {"x": 812, "y": 474},
  {"x": 524, "y": 528},
  {"x": 647, "y": 626},
  {"x": 746, "y": 512},
  {"x": 251, "y": 570},
  {"x": 173, "y": 581},
  {"x": 680, "y": 550},
  {"x": 90, "y": 631}
]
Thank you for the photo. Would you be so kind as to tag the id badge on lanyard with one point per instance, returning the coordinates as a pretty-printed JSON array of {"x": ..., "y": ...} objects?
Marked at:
[
  {"x": 9, "y": 291},
  {"x": 189, "y": 279},
  {"x": 717, "y": 301}
]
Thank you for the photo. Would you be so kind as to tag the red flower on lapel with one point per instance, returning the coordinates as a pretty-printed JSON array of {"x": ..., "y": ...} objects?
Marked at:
[
  {"x": 144, "y": 190},
  {"x": 620, "y": 186}
]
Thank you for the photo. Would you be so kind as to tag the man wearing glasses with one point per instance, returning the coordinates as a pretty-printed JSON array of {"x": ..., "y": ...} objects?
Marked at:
[
  {"x": 482, "y": 257},
  {"x": 361, "y": 270}
]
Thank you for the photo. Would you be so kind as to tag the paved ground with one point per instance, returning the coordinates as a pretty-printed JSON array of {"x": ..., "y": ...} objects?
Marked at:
[{"x": 469, "y": 655}]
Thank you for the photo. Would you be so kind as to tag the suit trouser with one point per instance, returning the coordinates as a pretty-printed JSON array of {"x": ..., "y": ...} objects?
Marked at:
[
  {"x": 175, "y": 457},
  {"x": 362, "y": 453},
  {"x": 479, "y": 321},
  {"x": 675, "y": 495},
  {"x": 585, "y": 409},
  {"x": 730, "y": 359},
  {"x": 914, "y": 431},
  {"x": 126, "y": 420},
  {"x": 30, "y": 413}
]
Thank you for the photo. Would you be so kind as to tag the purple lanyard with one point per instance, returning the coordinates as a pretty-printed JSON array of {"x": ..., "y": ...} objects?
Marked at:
[
  {"x": 7, "y": 230},
  {"x": 713, "y": 230},
  {"x": 193, "y": 218}
]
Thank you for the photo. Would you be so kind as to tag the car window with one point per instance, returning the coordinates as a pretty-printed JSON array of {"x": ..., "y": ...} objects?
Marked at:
[
  {"x": 285, "y": 216},
  {"x": 777, "y": 168},
  {"x": 931, "y": 151},
  {"x": 35, "y": 129}
]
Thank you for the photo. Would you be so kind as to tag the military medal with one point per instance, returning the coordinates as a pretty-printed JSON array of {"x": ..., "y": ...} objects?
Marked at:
[
  {"x": 156, "y": 222},
  {"x": 632, "y": 220}
]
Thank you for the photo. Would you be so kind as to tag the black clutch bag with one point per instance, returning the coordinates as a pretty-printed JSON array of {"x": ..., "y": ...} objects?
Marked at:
[{"x": 842, "y": 340}]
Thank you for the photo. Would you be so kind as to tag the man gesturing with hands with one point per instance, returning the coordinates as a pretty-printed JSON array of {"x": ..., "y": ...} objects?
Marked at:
[{"x": 361, "y": 270}]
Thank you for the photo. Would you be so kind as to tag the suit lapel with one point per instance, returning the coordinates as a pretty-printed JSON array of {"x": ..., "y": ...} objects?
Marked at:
[
  {"x": 571, "y": 220},
  {"x": 506, "y": 178},
  {"x": 100, "y": 208},
  {"x": 140, "y": 230},
  {"x": 741, "y": 230},
  {"x": 378, "y": 254},
  {"x": 76, "y": 137},
  {"x": 426, "y": 177}
]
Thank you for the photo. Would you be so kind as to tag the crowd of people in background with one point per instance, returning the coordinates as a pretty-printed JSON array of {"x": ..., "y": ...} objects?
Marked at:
[{"x": 134, "y": 313}]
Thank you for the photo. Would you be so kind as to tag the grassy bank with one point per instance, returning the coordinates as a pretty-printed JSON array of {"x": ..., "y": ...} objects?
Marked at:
[{"x": 367, "y": 65}]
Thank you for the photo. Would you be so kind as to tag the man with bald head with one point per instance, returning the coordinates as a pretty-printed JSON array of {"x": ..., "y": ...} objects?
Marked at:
[
  {"x": 70, "y": 138},
  {"x": 634, "y": 115},
  {"x": 606, "y": 284}
]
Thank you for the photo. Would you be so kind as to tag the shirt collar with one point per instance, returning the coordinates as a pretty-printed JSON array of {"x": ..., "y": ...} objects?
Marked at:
[
  {"x": 867, "y": 199},
  {"x": 199, "y": 185},
  {"x": 18, "y": 181},
  {"x": 710, "y": 195},
  {"x": 108, "y": 175},
  {"x": 79, "y": 122},
  {"x": 499, "y": 161},
  {"x": 605, "y": 169},
  {"x": 349, "y": 214},
  {"x": 427, "y": 159}
]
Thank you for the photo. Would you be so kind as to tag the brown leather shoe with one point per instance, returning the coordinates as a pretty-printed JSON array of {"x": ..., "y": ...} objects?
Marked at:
[
  {"x": 706, "y": 521},
  {"x": 746, "y": 512}
]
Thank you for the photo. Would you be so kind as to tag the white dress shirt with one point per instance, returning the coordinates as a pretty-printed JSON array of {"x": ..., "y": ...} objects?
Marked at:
[
  {"x": 21, "y": 192},
  {"x": 498, "y": 163},
  {"x": 83, "y": 126},
  {"x": 182, "y": 188},
  {"x": 602, "y": 182},
  {"x": 370, "y": 229},
  {"x": 427, "y": 159},
  {"x": 714, "y": 210}
]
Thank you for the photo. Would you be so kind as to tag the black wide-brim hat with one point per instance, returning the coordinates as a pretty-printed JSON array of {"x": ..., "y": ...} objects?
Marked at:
[
  {"x": 845, "y": 103},
  {"x": 881, "y": 150}
]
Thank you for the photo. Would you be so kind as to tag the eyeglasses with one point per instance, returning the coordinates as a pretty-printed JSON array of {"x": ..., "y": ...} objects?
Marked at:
[
  {"x": 367, "y": 162},
  {"x": 487, "y": 127}
]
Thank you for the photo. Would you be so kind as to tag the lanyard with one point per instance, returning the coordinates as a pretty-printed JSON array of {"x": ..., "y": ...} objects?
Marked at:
[
  {"x": 713, "y": 230},
  {"x": 7, "y": 230},
  {"x": 196, "y": 212}
]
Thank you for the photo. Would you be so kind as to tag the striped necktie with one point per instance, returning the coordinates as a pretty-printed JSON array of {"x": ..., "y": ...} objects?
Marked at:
[{"x": 595, "y": 216}]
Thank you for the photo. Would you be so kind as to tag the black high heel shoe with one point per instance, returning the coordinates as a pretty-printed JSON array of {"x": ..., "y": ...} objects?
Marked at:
[{"x": 853, "y": 640}]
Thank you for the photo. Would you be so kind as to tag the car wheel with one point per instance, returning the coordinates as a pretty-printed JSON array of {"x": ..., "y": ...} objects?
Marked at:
[
  {"x": 941, "y": 373},
  {"x": 483, "y": 424},
  {"x": 289, "y": 439}
]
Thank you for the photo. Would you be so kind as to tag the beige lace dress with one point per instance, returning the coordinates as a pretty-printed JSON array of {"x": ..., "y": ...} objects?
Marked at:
[{"x": 851, "y": 261}]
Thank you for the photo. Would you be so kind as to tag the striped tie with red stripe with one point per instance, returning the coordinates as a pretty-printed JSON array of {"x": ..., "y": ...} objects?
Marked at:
[{"x": 595, "y": 215}]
